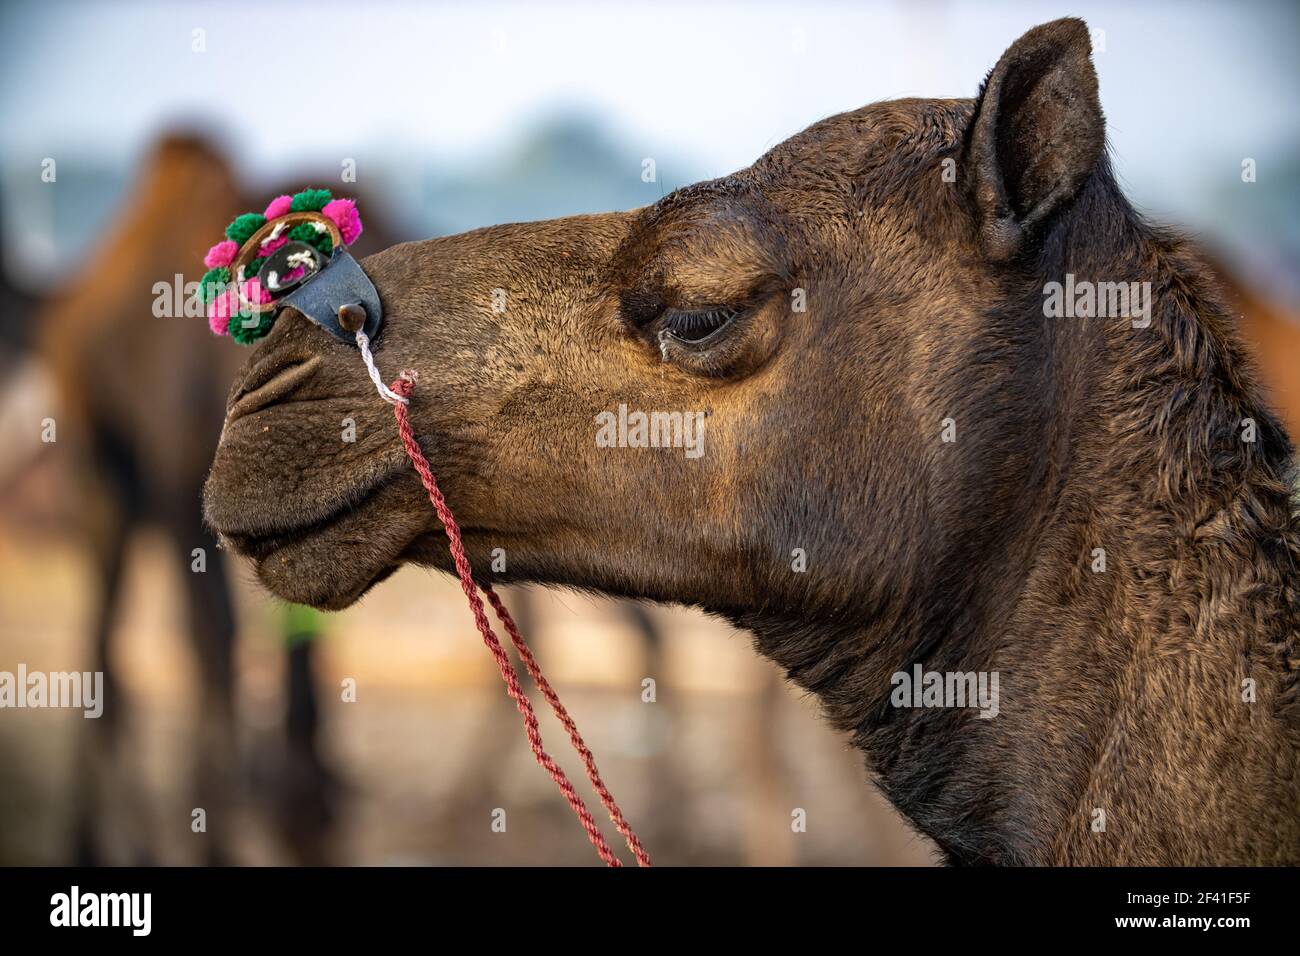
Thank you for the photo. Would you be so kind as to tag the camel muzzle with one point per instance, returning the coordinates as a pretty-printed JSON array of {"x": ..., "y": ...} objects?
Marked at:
[{"x": 299, "y": 251}]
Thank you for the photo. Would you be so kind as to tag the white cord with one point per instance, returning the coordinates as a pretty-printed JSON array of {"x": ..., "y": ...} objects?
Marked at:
[
  {"x": 275, "y": 234},
  {"x": 386, "y": 393}
]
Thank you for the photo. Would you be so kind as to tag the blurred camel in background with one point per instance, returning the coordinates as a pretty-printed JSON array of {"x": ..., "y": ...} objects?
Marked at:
[
  {"x": 137, "y": 398},
  {"x": 1272, "y": 330},
  {"x": 140, "y": 401}
]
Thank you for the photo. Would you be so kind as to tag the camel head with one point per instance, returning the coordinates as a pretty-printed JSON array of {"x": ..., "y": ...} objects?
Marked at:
[
  {"x": 827, "y": 397},
  {"x": 693, "y": 401}
]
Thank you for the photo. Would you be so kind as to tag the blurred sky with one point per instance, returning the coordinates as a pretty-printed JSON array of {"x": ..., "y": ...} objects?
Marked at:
[{"x": 1189, "y": 88}]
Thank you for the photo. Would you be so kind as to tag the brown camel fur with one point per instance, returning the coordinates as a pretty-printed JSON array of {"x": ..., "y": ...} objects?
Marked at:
[{"x": 860, "y": 318}]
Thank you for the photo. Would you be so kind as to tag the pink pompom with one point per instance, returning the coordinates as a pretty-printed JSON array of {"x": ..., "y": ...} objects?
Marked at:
[
  {"x": 344, "y": 214},
  {"x": 271, "y": 245},
  {"x": 222, "y": 254},
  {"x": 279, "y": 206},
  {"x": 254, "y": 293},
  {"x": 219, "y": 312}
]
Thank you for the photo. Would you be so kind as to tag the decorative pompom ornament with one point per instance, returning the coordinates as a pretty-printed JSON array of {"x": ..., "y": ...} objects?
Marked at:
[
  {"x": 242, "y": 229},
  {"x": 312, "y": 216},
  {"x": 268, "y": 247},
  {"x": 222, "y": 254},
  {"x": 213, "y": 283},
  {"x": 220, "y": 311},
  {"x": 344, "y": 214},
  {"x": 310, "y": 200},
  {"x": 313, "y": 237},
  {"x": 254, "y": 293},
  {"x": 255, "y": 266},
  {"x": 279, "y": 206},
  {"x": 248, "y": 326},
  {"x": 248, "y": 329}
]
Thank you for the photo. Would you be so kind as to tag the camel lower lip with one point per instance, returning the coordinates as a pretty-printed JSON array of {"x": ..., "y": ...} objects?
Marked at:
[
  {"x": 331, "y": 562},
  {"x": 337, "y": 548},
  {"x": 259, "y": 547}
]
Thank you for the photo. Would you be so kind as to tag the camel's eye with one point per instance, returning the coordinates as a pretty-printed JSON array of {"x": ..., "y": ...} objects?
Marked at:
[
  {"x": 720, "y": 341},
  {"x": 698, "y": 326}
]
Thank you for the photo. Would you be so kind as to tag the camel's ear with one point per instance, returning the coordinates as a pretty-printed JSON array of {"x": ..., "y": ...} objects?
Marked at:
[{"x": 1036, "y": 136}]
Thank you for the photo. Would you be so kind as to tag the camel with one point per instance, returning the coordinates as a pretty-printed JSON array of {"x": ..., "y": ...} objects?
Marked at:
[
  {"x": 140, "y": 399},
  {"x": 907, "y": 462}
]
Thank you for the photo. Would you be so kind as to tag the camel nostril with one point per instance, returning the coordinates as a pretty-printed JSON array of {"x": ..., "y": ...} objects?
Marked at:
[{"x": 268, "y": 383}]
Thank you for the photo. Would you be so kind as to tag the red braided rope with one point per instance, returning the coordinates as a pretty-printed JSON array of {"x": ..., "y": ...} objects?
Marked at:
[
  {"x": 552, "y": 698},
  {"x": 404, "y": 386}
]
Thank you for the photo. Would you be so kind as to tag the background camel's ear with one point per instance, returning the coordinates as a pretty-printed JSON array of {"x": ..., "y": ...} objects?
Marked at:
[{"x": 1038, "y": 133}]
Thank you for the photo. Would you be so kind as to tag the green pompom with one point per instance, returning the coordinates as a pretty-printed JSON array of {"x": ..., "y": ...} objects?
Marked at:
[
  {"x": 213, "y": 283},
  {"x": 307, "y": 233},
  {"x": 242, "y": 229},
  {"x": 254, "y": 267},
  {"x": 246, "y": 331},
  {"x": 310, "y": 200}
]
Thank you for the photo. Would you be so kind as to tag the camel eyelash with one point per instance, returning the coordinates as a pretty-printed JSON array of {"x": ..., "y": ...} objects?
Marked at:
[{"x": 696, "y": 325}]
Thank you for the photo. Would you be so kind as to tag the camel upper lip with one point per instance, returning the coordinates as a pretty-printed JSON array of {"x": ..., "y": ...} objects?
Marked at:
[
  {"x": 252, "y": 530},
  {"x": 269, "y": 383}
]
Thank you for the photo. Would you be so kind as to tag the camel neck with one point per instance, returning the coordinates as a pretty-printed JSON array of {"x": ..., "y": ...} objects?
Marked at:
[
  {"x": 1017, "y": 696},
  {"x": 1073, "y": 703}
]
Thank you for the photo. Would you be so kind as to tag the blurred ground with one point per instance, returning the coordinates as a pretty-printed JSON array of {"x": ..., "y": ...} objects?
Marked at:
[{"x": 431, "y": 746}]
